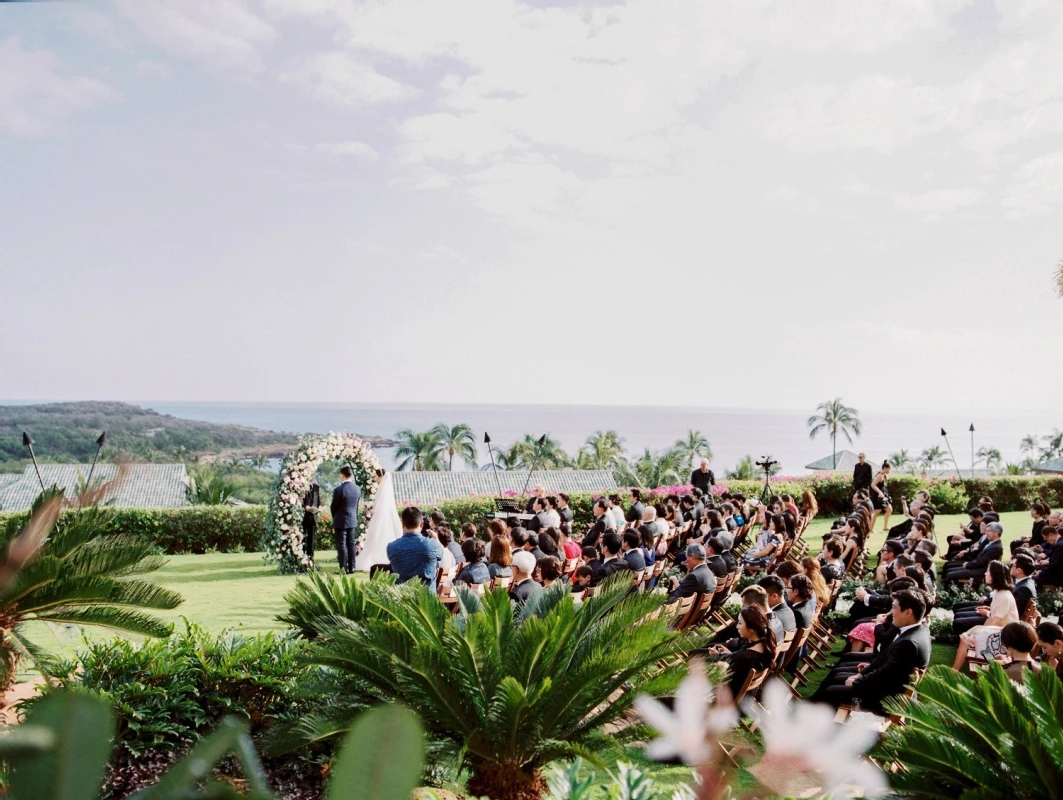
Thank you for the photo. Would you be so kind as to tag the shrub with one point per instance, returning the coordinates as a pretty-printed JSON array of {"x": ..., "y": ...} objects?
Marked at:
[
  {"x": 947, "y": 598},
  {"x": 1050, "y": 602},
  {"x": 947, "y": 497},
  {"x": 941, "y": 631}
]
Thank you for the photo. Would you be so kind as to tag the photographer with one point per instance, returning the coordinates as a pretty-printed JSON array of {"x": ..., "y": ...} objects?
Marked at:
[{"x": 922, "y": 498}]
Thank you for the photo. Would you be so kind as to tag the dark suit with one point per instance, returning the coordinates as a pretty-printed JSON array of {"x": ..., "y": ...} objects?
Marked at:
[
  {"x": 537, "y": 523},
  {"x": 862, "y": 477},
  {"x": 634, "y": 514},
  {"x": 635, "y": 559},
  {"x": 699, "y": 580},
  {"x": 991, "y": 551},
  {"x": 804, "y": 613},
  {"x": 728, "y": 557},
  {"x": 1052, "y": 573},
  {"x": 344, "y": 507},
  {"x": 594, "y": 535},
  {"x": 886, "y": 675},
  {"x": 717, "y": 566},
  {"x": 311, "y": 498},
  {"x": 785, "y": 615},
  {"x": 609, "y": 568},
  {"x": 566, "y": 514},
  {"x": 525, "y": 590}
]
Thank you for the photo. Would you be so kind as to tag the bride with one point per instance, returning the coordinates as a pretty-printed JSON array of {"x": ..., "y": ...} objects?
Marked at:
[{"x": 384, "y": 526}]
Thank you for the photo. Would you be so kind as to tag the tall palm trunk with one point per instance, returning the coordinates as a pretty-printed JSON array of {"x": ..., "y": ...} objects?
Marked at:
[
  {"x": 450, "y": 464},
  {"x": 834, "y": 446},
  {"x": 505, "y": 781}
]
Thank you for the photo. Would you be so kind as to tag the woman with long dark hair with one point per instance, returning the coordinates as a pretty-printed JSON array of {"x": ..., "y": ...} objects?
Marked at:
[
  {"x": 758, "y": 654},
  {"x": 880, "y": 497},
  {"x": 1001, "y": 610}
]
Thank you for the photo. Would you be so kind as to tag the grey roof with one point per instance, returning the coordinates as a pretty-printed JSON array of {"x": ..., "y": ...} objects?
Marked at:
[
  {"x": 431, "y": 487},
  {"x": 1054, "y": 465},
  {"x": 144, "y": 485},
  {"x": 846, "y": 461}
]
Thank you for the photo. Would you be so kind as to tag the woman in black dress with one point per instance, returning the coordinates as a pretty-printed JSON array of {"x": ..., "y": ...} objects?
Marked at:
[
  {"x": 759, "y": 652},
  {"x": 880, "y": 497}
]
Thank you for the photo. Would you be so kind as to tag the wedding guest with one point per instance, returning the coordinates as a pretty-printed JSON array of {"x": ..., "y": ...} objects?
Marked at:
[
  {"x": 699, "y": 578},
  {"x": 616, "y": 511},
  {"x": 760, "y": 555},
  {"x": 344, "y": 507},
  {"x": 553, "y": 518},
  {"x": 773, "y": 586},
  {"x": 539, "y": 494},
  {"x": 759, "y": 651},
  {"x": 551, "y": 570},
  {"x": 634, "y": 514},
  {"x": 518, "y": 538},
  {"x": 591, "y": 558},
  {"x": 532, "y": 546},
  {"x": 413, "y": 555},
  {"x": 548, "y": 542},
  {"x": 715, "y": 561},
  {"x": 809, "y": 506},
  {"x": 603, "y": 523},
  {"x": 563, "y": 509},
  {"x": 582, "y": 578},
  {"x": 475, "y": 570},
  {"x": 832, "y": 567},
  {"x": 445, "y": 539},
  {"x": 539, "y": 521},
  {"x": 311, "y": 508},
  {"x": 498, "y": 564},
  {"x": 1000, "y": 611},
  {"x": 612, "y": 563},
  {"x": 989, "y": 551},
  {"x": 570, "y": 548},
  {"x": 1019, "y": 639},
  {"x": 886, "y": 571},
  {"x": 811, "y": 569},
  {"x": 631, "y": 548},
  {"x": 801, "y": 601},
  {"x": 1050, "y": 637},
  {"x": 861, "y": 474},
  {"x": 703, "y": 478},
  {"x": 1050, "y": 572},
  {"x": 523, "y": 587},
  {"x": 661, "y": 519},
  {"x": 451, "y": 545}
]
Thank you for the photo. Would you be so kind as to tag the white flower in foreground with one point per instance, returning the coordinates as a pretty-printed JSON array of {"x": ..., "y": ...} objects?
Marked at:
[
  {"x": 802, "y": 740},
  {"x": 686, "y": 732}
]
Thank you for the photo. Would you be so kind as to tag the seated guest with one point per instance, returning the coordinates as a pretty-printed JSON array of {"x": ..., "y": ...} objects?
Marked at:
[
  {"x": 802, "y": 602},
  {"x": 453, "y": 555},
  {"x": 518, "y": 538},
  {"x": 468, "y": 531},
  {"x": 631, "y": 548},
  {"x": 809, "y": 506},
  {"x": 548, "y": 542},
  {"x": 582, "y": 578},
  {"x": 540, "y": 521},
  {"x": 775, "y": 590},
  {"x": 563, "y": 510},
  {"x": 612, "y": 563},
  {"x": 699, "y": 578},
  {"x": 1019, "y": 639},
  {"x": 1001, "y": 610},
  {"x": 868, "y": 604},
  {"x": 413, "y": 555},
  {"x": 761, "y": 554},
  {"x": 712, "y": 526},
  {"x": 968, "y": 535},
  {"x": 475, "y": 570},
  {"x": 891, "y": 671},
  {"x": 751, "y": 596},
  {"x": 553, "y": 517},
  {"x": 592, "y": 558},
  {"x": 1050, "y": 572},
  {"x": 1040, "y": 512},
  {"x": 1025, "y": 590},
  {"x": 551, "y": 570},
  {"x": 648, "y": 544},
  {"x": 532, "y": 546},
  {"x": 924, "y": 559},
  {"x": 570, "y": 548},
  {"x": 603, "y": 522},
  {"x": 715, "y": 562},
  {"x": 757, "y": 652},
  {"x": 498, "y": 565},
  {"x": 1050, "y": 637},
  {"x": 910, "y": 512},
  {"x": 989, "y": 551},
  {"x": 634, "y": 514},
  {"x": 811, "y": 569},
  {"x": 831, "y": 564},
  {"x": 523, "y": 587}
]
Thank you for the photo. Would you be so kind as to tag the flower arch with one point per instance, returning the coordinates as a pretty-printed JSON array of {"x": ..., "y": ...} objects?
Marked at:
[{"x": 284, "y": 523}]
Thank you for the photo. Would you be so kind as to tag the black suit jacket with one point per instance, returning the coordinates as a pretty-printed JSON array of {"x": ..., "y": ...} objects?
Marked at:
[
  {"x": 992, "y": 551},
  {"x": 728, "y": 557},
  {"x": 609, "y": 568},
  {"x": 524, "y": 590},
  {"x": 862, "y": 477},
  {"x": 635, "y": 559},
  {"x": 699, "y": 580},
  {"x": 717, "y": 566},
  {"x": 594, "y": 533},
  {"x": 537, "y": 523},
  {"x": 634, "y": 514},
  {"x": 1052, "y": 573},
  {"x": 887, "y": 674},
  {"x": 803, "y": 614},
  {"x": 344, "y": 506},
  {"x": 1023, "y": 595}
]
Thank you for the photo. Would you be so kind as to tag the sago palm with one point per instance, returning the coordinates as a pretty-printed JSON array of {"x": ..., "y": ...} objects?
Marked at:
[
  {"x": 80, "y": 574},
  {"x": 981, "y": 738},
  {"x": 834, "y": 417},
  {"x": 693, "y": 447},
  {"x": 501, "y": 692},
  {"x": 457, "y": 441},
  {"x": 420, "y": 451}
]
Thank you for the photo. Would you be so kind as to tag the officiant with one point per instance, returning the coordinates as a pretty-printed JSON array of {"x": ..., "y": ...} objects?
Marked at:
[{"x": 311, "y": 508}]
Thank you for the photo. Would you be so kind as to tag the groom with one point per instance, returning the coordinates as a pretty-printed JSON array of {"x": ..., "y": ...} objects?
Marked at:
[{"x": 345, "y": 499}]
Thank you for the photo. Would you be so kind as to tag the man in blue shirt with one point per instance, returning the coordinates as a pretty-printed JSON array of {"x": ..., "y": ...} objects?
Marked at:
[{"x": 413, "y": 555}]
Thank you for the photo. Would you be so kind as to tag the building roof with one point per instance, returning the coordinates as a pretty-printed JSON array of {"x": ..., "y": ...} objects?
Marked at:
[
  {"x": 144, "y": 485},
  {"x": 1054, "y": 465},
  {"x": 424, "y": 488},
  {"x": 847, "y": 459}
]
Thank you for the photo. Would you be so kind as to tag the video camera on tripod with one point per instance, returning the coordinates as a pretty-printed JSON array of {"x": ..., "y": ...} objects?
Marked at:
[{"x": 766, "y": 463}]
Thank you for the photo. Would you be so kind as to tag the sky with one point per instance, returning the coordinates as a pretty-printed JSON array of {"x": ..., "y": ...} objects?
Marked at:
[{"x": 732, "y": 204}]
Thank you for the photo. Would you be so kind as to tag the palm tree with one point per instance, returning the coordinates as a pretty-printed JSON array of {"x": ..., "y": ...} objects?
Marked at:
[
  {"x": 902, "y": 461},
  {"x": 457, "y": 441},
  {"x": 745, "y": 470},
  {"x": 420, "y": 452},
  {"x": 694, "y": 447},
  {"x": 664, "y": 468},
  {"x": 834, "y": 417},
  {"x": 931, "y": 457},
  {"x": 991, "y": 456},
  {"x": 259, "y": 461},
  {"x": 501, "y": 691},
  {"x": 1015, "y": 469},
  {"x": 552, "y": 455},
  {"x": 602, "y": 450},
  {"x": 74, "y": 570},
  {"x": 1058, "y": 275},
  {"x": 512, "y": 457},
  {"x": 1028, "y": 445},
  {"x": 984, "y": 737},
  {"x": 207, "y": 488},
  {"x": 1053, "y": 445}
]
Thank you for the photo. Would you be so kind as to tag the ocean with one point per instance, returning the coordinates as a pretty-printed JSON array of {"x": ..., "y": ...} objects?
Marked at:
[{"x": 733, "y": 433}]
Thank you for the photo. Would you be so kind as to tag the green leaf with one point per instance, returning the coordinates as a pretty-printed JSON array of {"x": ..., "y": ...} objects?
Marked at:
[
  {"x": 198, "y": 764},
  {"x": 73, "y": 767},
  {"x": 382, "y": 756}
]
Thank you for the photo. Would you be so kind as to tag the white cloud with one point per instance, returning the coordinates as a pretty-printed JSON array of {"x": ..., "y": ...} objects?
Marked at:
[
  {"x": 940, "y": 201},
  {"x": 226, "y": 35},
  {"x": 1037, "y": 189},
  {"x": 357, "y": 149},
  {"x": 33, "y": 95},
  {"x": 153, "y": 69},
  {"x": 338, "y": 78}
]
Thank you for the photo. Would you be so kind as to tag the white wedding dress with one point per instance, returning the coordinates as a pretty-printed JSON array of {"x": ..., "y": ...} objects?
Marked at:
[{"x": 384, "y": 526}]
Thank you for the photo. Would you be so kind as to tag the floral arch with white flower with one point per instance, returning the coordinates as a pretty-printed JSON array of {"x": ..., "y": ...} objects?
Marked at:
[{"x": 284, "y": 523}]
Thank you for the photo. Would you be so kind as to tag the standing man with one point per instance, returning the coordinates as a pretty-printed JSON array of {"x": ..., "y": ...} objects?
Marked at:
[
  {"x": 311, "y": 502},
  {"x": 345, "y": 499},
  {"x": 862, "y": 476},
  {"x": 702, "y": 478}
]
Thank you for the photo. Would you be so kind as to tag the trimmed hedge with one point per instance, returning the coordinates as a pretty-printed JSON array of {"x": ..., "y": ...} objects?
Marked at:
[{"x": 226, "y": 529}]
